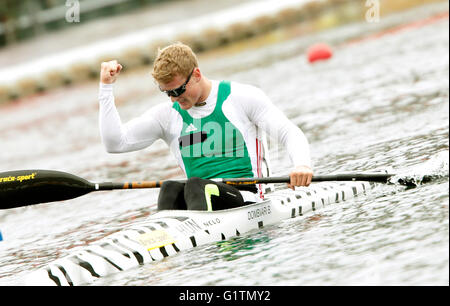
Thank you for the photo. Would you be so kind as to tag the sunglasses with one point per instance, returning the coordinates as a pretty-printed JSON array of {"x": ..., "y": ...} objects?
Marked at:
[{"x": 180, "y": 90}]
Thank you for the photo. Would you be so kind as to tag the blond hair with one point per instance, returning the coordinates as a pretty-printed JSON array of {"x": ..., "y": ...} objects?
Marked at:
[{"x": 175, "y": 59}]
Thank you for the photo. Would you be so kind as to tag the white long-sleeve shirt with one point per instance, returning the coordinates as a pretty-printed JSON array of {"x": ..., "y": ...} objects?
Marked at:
[{"x": 247, "y": 108}]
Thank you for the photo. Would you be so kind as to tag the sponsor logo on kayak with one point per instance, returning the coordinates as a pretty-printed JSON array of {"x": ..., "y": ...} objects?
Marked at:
[
  {"x": 188, "y": 227},
  {"x": 155, "y": 239},
  {"x": 212, "y": 222},
  {"x": 259, "y": 212}
]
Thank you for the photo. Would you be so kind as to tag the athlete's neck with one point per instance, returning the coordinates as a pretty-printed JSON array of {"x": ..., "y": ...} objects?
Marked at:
[{"x": 206, "y": 90}]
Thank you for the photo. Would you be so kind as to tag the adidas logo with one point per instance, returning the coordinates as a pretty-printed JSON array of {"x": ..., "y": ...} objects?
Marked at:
[{"x": 190, "y": 128}]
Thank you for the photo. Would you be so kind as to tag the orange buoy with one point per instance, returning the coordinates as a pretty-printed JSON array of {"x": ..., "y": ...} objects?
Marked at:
[{"x": 319, "y": 52}]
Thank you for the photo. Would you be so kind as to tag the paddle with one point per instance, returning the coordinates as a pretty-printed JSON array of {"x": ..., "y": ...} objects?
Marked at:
[{"x": 28, "y": 187}]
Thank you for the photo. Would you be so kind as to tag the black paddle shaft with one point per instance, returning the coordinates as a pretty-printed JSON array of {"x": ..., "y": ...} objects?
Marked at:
[
  {"x": 373, "y": 177},
  {"x": 27, "y": 187}
]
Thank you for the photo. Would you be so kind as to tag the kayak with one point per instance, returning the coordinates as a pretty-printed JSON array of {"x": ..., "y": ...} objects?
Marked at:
[{"x": 167, "y": 233}]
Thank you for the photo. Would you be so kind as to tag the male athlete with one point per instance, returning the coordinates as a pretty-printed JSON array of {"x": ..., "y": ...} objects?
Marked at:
[{"x": 214, "y": 129}]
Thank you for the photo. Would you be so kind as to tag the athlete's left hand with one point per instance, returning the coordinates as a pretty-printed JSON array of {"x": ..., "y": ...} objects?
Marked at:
[{"x": 300, "y": 176}]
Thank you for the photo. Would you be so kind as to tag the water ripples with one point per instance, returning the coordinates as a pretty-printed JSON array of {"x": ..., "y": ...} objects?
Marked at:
[{"x": 379, "y": 103}]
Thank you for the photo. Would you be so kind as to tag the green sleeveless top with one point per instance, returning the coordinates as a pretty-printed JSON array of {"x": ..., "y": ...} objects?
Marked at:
[{"x": 212, "y": 147}]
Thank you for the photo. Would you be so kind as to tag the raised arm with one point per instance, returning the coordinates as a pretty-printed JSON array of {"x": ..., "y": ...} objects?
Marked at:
[{"x": 136, "y": 134}]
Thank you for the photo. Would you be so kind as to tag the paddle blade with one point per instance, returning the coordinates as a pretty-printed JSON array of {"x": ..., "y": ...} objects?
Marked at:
[{"x": 27, "y": 187}]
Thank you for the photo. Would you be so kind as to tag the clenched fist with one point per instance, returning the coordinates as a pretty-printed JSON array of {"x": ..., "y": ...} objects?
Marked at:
[{"x": 109, "y": 71}]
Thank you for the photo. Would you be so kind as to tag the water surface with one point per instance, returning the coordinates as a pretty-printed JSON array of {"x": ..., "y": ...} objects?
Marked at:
[{"x": 378, "y": 103}]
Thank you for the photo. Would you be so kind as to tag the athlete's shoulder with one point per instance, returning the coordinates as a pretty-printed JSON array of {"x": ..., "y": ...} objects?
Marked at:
[
  {"x": 161, "y": 112},
  {"x": 242, "y": 88},
  {"x": 247, "y": 92},
  {"x": 164, "y": 106}
]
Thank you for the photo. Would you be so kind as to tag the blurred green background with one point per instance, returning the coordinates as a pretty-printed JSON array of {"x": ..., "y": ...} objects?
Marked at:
[{"x": 20, "y": 20}]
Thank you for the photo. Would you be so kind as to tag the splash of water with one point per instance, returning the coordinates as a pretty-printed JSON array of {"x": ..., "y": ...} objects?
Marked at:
[{"x": 433, "y": 169}]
